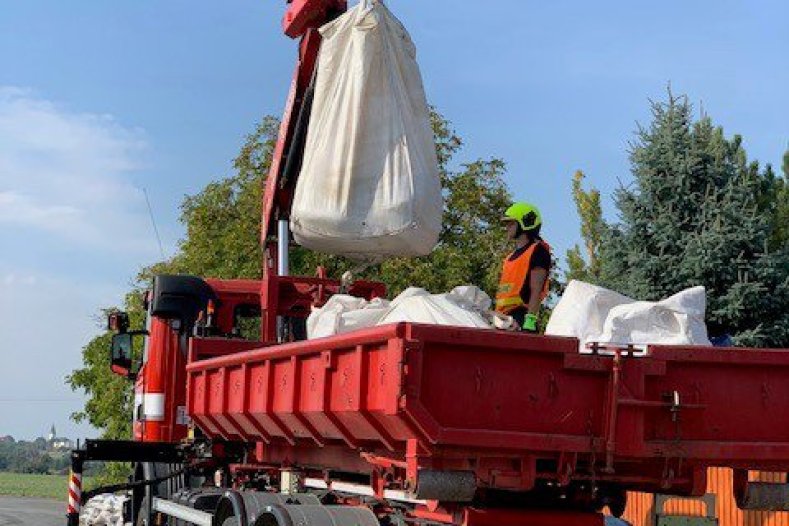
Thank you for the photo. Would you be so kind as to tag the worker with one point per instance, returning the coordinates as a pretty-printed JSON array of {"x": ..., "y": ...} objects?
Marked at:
[{"x": 524, "y": 276}]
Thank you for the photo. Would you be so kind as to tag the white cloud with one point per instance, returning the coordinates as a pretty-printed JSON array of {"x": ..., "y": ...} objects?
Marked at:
[
  {"x": 73, "y": 230},
  {"x": 66, "y": 173},
  {"x": 14, "y": 279}
]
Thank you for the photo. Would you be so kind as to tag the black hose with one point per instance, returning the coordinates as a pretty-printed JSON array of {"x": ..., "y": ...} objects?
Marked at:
[{"x": 295, "y": 154}]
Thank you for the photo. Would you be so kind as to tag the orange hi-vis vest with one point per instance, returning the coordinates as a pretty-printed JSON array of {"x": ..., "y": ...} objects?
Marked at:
[{"x": 513, "y": 276}]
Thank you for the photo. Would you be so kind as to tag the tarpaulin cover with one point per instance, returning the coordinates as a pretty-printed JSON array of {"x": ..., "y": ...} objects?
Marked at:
[
  {"x": 595, "y": 314},
  {"x": 369, "y": 183}
]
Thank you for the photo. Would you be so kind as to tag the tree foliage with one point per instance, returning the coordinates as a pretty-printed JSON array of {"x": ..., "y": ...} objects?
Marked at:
[
  {"x": 590, "y": 211},
  {"x": 109, "y": 405},
  {"x": 780, "y": 236},
  {"x": 223, "y": 220},
  {"x": 699, "y": 213}
]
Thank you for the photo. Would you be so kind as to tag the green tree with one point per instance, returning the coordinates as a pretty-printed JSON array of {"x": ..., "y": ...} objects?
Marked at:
[
  {"x": 590, "y": 211},
  {"x": 698, "y": 213},
  {"x": 109, "y": 405},
  {"x": 110, "y": 399},
  {"x": 223, "y": 223},
  {"x": 781, "y": 233}
]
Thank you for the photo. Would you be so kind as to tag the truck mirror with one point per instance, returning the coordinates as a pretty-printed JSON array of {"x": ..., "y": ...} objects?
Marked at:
[
  {"x": 121, "y": 356},
  {"x": 118, "y": 321}
]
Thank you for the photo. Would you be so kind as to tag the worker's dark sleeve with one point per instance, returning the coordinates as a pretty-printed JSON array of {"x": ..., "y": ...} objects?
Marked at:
[{"x": 540, "y": 259}]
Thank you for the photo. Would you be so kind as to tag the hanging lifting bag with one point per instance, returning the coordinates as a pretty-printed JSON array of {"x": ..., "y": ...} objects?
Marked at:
[{"x": 369, "y": 184}]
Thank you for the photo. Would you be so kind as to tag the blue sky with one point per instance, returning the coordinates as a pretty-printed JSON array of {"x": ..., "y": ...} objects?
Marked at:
[{"x": 99, "y": 100}]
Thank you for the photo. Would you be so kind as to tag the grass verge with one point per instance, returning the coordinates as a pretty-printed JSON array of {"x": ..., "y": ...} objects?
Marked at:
[{"x": 34, "y": 485}]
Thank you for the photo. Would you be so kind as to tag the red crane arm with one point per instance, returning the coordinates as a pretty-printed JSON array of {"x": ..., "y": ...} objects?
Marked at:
[
  {"x": 285, "y": 300},
  {"x": 302, "y": 15},
  {"x": 301, "y": 20}
]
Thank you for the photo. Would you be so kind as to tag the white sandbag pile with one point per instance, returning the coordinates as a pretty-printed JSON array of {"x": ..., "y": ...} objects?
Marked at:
[
  {"x": 595, "y": 314},
  {"x": 343, "y": 313},
  {"x": 103, "y": 510},
  {"x": 466, "y": 306},
  {"x": 462, "y": 307},
  {"x": 369, "y": 183}
]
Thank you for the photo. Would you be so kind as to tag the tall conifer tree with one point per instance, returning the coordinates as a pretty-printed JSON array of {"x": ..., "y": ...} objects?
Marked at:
[{"x": 698, "y": 213}]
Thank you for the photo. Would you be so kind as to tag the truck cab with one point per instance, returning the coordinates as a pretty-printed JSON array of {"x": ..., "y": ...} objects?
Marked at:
[
  {"x": 179, "y": 308},
  {"x": 219, "y": 317}
]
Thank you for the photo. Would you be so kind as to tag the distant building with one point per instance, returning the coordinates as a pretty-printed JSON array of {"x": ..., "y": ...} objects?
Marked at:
[
  {"x": 58, "y": 443},
  {"x": 61, "y": 443}
]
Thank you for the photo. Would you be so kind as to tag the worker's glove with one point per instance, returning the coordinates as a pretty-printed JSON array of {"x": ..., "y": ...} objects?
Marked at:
[{"x": 530, "y": 323}]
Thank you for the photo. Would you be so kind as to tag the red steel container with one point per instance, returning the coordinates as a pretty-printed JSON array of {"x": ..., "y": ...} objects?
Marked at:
[{"x": 511, "y": 407}]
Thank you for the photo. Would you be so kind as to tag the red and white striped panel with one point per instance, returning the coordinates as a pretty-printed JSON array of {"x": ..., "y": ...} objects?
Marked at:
[{"x": 74, "y": 492}]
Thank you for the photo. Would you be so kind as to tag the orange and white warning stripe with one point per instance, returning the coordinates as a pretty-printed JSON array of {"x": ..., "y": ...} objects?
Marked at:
[{"x": 74, "y": 492}]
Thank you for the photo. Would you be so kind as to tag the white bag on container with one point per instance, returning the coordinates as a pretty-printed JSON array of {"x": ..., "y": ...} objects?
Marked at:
[
  {"x": 343, "y": 313},
  {"x": 459, "y": 308},
  {"x": 465, "y": 306},
  {"x": 595, "y": 314},
  {"x": 369, "y": 183}
]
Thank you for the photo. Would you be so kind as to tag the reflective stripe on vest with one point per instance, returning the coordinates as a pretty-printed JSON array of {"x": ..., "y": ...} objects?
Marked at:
[{"x": 513, "y": 276}]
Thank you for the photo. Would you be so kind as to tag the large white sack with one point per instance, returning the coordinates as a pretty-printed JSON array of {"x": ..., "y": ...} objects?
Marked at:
[
  {"x": 369, "y": 183},
  {"x": 677, "y": 320},
  {"x": 466, "y": 306},
  {"x": 457, "y": 308},
  {"x": 596, "y": 314},
  {"x": 582, "y": 310},
  {"x": 343, "y": 313}
]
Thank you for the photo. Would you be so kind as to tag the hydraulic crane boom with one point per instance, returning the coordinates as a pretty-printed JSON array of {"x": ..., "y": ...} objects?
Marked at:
[
  {"x": 302, "y": 20},
  {"x": 285, "y": 300}
]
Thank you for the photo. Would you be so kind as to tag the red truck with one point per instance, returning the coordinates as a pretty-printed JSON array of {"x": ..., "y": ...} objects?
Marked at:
[{"x": 409, "y": 423}]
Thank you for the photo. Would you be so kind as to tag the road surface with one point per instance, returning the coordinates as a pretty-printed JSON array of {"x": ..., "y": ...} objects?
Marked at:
[{"x": 26, "y": 511}]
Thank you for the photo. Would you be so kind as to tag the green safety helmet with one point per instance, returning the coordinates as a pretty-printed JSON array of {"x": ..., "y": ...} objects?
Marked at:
[{"x": 525, "y": 214}]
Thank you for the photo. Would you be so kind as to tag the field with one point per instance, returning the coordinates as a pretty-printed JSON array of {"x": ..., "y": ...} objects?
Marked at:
[{"x": 31, "y": 485}]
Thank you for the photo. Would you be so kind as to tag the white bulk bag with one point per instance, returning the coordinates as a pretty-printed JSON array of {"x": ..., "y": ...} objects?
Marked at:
[
  {"x": 457, "y": 308},
  {"x": 369, "y": 183},
  {"x": 582, "y": 311},
  {"x": 465, "y": 306},
  {"x": 343, "y": 313},
  {"x": 595, "y": 314},
  {"x": 677, "y": 320}
]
